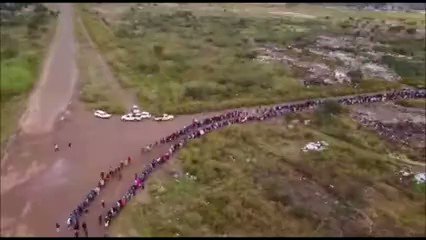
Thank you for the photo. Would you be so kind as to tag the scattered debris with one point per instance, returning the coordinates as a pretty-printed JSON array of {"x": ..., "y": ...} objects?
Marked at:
[
  {"x": 420, "y": 178},
  {"x": 315, "y": 146}
]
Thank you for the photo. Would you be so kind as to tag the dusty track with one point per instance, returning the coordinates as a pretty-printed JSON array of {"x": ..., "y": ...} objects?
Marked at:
[{"x": 56, "y": 85}]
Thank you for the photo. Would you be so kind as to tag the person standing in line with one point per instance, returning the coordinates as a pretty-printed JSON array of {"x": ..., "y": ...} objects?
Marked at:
[{"x": 84, "y": 226}]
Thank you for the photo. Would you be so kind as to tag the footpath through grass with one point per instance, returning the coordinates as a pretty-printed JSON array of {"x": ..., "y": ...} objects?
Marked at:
[
  {"x": 186, "y": 61},
  {"x": 254, "y": 180},
  {"x": 25, "y": 35}
]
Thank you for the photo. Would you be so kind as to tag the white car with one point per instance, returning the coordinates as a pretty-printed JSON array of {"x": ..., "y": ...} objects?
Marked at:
[
  {"x": 102, "y": 114},
  {"x": 130, "y": 117},
  {"x": 165, "y": 117}
]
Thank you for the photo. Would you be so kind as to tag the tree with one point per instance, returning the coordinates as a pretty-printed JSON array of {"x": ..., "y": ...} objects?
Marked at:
[{"x": 326, "y": 110}]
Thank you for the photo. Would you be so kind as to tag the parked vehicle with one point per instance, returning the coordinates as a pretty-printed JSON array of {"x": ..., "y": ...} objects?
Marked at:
[
  {"x": 102, "y": 114},
  {"x": 130, "y": 117},
  {"x": 165, "y": 117}
]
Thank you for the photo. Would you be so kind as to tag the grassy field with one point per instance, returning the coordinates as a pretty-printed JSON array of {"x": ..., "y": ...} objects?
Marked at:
[
  {"x": 96, "y": 91},
  {"x": 23, "y": 46},
  {"x": 249, "y": 183},
  {"x": 414, "y": 103},
  {"x": 184, "y": 59}
]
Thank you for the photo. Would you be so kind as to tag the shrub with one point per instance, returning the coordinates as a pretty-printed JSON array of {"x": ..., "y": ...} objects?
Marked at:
[
  {"x": 411, "y": 30},
  {"x": 355, "y": 75},
  {"x": 330, "y": 107}
]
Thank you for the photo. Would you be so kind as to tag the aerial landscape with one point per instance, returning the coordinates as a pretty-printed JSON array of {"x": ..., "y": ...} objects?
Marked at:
[{"x": 213, "y": 119}]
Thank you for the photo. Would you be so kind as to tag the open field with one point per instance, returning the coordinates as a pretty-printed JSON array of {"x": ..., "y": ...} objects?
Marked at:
[
  {"x": 185, "y": 58},
  {"x": 255, "y": 181},
  {"x": 23, "y": 47},
  {"x": 99, "y": 90}
]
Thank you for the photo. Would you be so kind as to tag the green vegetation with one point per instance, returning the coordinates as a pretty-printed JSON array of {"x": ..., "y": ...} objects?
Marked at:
[
  {"x": 96, "y": 91},
  {"x": 249, "y": 183},
  {"x": 413, "y": 103},
  {"x": 24, "y": 35},
  {"x": 183, "y": 61}
]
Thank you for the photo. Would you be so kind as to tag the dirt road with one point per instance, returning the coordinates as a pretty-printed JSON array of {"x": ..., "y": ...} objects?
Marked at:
[{"x": 59, "y": 75}]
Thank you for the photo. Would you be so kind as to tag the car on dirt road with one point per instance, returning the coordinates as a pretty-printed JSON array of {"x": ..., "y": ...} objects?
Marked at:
[
  {"x": 165, "y": 117},
  {"x": 102, "y": 114},
  {"x": 130, "y": 117}
]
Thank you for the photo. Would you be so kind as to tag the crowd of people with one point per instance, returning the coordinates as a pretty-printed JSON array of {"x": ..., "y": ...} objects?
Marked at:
[
  {"x": 400, "y": 132},
  {"x": 105, "y": 177},
  {"x": 198, "y": 128}
]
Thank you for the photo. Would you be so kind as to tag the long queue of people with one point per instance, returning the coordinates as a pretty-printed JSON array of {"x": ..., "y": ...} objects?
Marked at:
[
  {"x": 105, "y": 177},
  {"x": 199, "y": 128}
]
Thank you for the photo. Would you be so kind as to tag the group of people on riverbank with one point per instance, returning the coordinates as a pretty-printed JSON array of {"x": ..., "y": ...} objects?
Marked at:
[{"x": 199, "y": 128}]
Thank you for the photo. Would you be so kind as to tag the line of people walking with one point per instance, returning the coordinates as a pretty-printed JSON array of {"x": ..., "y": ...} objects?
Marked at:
[{"x": 199, "y": 128}]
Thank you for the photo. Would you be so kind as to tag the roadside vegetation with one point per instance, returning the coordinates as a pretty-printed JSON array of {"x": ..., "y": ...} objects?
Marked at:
[
  {"x": 185, "y": 59},
  {"x": 96, "y": 91},
  {"x": 254, "y": 180},
  {"x": 25, "y": 31},
  {"x": 413, "y": 103}
]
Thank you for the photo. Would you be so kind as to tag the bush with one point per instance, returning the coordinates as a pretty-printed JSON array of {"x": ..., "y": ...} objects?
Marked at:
[
  {"x": 396, "y": 28},
  {"x": 325, "y": 111},
  {"x": 355, "y": 75},
  {"x": 158, "y": 50},
  {"x": 411, "y": 30}
]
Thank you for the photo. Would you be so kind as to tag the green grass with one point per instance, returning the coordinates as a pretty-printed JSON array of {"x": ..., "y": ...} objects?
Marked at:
[
  {"x": 22, "y": 52},
  {"x": 248, "y": 184},
  {"x": 181, "y": 61},
  {"x": 414, "y": 103},
  {"x": 96, "y": 92}
]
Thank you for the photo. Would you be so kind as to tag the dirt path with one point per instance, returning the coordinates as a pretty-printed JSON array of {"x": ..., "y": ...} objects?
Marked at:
[{"x": 58, "y": 78}]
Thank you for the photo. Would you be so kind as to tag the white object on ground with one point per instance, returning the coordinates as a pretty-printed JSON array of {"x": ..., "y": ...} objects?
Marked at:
[
  {"x": 420, "y": 178},
  {"x": 165, "y": 117},
  {"x": 102, "y": 114},
  {"x": 315, "y": 146}
]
